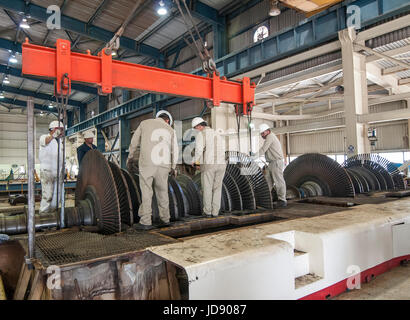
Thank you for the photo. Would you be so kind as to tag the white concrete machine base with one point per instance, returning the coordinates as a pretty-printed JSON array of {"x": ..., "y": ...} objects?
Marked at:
[{"x": 308, "y": 258}]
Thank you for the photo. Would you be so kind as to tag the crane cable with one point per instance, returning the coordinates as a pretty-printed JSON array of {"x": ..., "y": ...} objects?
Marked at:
[{"x": 208, "y": 64}]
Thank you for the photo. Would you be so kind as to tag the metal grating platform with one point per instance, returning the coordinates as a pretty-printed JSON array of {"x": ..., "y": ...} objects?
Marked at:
[{"x": 72, "y": 247}]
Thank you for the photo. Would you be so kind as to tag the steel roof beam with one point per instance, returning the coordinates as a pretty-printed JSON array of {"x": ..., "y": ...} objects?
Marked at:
[
  {"x": 91, "y": 20},
  {"x": 39, "y": 13},
  {"x": 38, "y": 95},
  {"x": 18, "y": 73},
  {"x": 20, "y": 103},
  {"x": 205, "y": 13}
]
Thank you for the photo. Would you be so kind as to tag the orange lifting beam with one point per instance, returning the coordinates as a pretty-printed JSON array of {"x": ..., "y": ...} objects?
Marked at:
[{"x": 64, "y": 66}]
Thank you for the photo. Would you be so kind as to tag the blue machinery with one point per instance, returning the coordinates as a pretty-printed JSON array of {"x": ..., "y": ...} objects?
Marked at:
[{"x": 22, "y": 187}]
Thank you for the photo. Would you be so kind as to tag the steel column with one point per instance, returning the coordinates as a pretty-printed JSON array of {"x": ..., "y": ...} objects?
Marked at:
[
  {"x": 355, "y": 95},
  {"x": 83, "y": 115},
  {"x": 70, "y": 118},
  {"x": 125, "y": 96},
  {"x": 102, "y": 103},
  {"x": 125, "y": 140},
  {"x": 220, "y": 41},
  {"x": 100, "y": 139}
]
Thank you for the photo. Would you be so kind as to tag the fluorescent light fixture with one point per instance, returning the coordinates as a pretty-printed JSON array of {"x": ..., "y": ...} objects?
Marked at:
[
  {"x": 162, "y": 10},
  {"x": 24, "y": 24},
  {"x": 6, "y": 80},
  {"x": 13, "y": 59},
  {"x": 114, "y": 53},
  {"x": 274, "y": 8},
  {"x": 50, "y": 106},
  {"x": 1, "y": 95}
]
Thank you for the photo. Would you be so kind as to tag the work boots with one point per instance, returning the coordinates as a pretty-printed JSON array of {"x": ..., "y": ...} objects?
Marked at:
[{"x": 280, "y": 204}]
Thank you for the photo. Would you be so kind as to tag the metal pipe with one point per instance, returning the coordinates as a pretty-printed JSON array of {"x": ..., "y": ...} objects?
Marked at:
[{"x": 30, "y": 184}]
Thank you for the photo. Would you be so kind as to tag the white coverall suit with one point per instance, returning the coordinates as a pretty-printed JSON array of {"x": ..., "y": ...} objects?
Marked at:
[
  {"x": 155, "y": 146},
  {"x": 48, "y": 174},
  {"x": 210, "y": 152},
  {"x": 272, "y": 150}
]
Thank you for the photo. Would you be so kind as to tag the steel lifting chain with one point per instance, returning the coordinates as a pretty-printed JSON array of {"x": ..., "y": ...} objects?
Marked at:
[
  {"x": 249, "y": 113},
  {"x": 238, "y": 122},
  {"x": 62, "y": 102},
  {"x": 239, "y": 114},
  {"x": 208, "y": 63}
]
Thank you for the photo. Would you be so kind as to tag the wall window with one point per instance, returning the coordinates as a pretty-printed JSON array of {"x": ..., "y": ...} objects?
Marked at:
[
  {"x": 331, "y": 156},
  {"x": 395, "y": 157},
  {"x": 290, "y": 159},
  {"x": 340, "y": 158},
  {"x": 261, "y": 33}
]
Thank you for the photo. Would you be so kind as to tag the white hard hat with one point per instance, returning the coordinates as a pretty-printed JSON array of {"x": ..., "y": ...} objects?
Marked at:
[
  {"x": 56, "y": 124},
  {"x": 171, "y": 121},
  {"x": 197, "y": 121},
  {"x": 263, "y": 128},
  {"x": 88, "y": 135}
]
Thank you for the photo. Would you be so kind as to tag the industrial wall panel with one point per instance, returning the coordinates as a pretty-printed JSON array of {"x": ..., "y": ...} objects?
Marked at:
[
  {"x": 321, "y": 142},
  {"x": 187, "y": 58},
  {"x": 240, "y": 41},
  {"x": 15, "y": 143},
  {"x": 253, "y": 16},
  {"x": 390, "y": 106},
  {"x": 329, "y": 117},
  {"x": 187, "y": 109},
  {"x": 13, "y": 137},
  {"x": 15, "y": 153},
  {"x": 392, "y": 136},
  {"x": 249, "y": 20}
]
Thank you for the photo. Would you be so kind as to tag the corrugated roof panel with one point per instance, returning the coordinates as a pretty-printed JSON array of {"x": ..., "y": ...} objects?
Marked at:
[
  {"x": 403, "y": 74},
  {"x": 4, "y": 56},
  {"x": 117, "y": 11},
  {"x": 217, "y": 4},
  {"x": 79, "y": 9},
  {"x": 174, "y": 29}
]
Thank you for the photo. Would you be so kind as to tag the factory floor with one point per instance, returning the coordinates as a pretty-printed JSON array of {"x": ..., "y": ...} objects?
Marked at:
[{"x": 392, "y": 285}]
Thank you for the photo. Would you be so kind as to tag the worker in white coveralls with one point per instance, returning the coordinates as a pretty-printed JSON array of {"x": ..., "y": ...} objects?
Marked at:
[
  {"x": 272, "y": 150},
  {"x": 48, "y": 167},
  {"x": 210, "y": 153},
  {"x": 154, "y": 151}
]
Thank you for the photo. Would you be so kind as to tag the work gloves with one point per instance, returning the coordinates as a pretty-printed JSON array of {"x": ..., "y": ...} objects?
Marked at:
[
  {"x": 132, "y": 166},
  {"x": 57, "y": 134}
]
